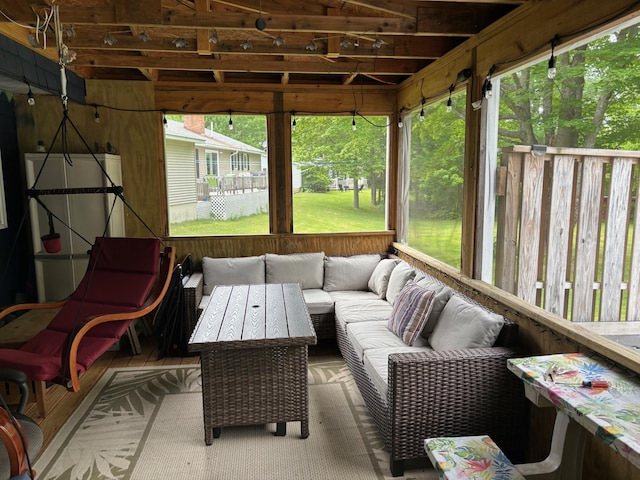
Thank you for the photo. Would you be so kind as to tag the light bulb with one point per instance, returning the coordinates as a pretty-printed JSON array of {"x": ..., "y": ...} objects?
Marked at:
[
  {"x": 293, "y": 125},
  {"x": 400, "y": 123},
  {"x": 353, "y": 124},
  {"x": 488, "y": 92},
  {"x": 449, "y": 105},
  {"x": 421, "y": 118},
  {"x": 551, "y": 73},
  {"x": 230, "y": 123},
  {"x": 30, "y": 99},
  {"x": 97, "y": 116}
]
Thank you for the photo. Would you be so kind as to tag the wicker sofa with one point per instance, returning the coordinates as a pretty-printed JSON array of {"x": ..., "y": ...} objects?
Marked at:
[{"x": 451, "y": 381}]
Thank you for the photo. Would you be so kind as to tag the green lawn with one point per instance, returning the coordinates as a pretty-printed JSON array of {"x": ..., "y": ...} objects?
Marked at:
[{"x": 333, "y": 212}]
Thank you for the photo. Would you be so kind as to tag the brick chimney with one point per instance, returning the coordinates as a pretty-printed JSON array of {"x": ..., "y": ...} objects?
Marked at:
[{"x": 195, "y": 123}]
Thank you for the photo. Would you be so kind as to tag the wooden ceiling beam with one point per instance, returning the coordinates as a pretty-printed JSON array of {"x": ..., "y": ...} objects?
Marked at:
[
  {"x": 195, "y": 63},
  {"x": 451, "y": 18}
]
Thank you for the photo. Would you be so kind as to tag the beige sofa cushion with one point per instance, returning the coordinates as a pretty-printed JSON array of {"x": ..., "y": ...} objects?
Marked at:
[
  {"x": 349, "y": 273},
  {"x": 380, "y": 277},
  {"x": 465, "y": 325},
  {"x": 401, "y": 274},
  {"x": 232, "y": 271},
  {"x": 307, "y": 269}
]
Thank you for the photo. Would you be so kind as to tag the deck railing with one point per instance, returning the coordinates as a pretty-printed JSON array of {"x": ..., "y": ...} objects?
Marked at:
[{"x": 565, "y": 234}]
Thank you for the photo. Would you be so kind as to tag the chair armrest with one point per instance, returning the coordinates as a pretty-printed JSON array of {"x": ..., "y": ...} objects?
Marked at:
[{"x": 192, "y": 296}]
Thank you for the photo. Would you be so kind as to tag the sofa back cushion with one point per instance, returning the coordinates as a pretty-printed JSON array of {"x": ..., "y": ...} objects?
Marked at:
[
  {"x": 401, "y": 274},
  {"x": 349, "y": 273},
  {"x": 379, "y": 279},
  {"x": 465, "y": 325},
  {"x": 410, "y": 312},
  {"x": 232, "y": 271},
  {"x": 307, "y": 269}
]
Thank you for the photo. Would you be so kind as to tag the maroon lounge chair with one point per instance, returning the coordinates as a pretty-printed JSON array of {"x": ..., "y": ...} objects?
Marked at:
[{"x": 126, "y": 279}]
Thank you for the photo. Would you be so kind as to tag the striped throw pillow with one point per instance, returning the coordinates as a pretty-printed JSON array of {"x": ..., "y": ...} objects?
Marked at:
[{"x": 411, "y": 311}]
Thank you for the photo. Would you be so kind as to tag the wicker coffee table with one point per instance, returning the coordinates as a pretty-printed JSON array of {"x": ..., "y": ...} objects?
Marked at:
[{"x": 253, "y": 342}]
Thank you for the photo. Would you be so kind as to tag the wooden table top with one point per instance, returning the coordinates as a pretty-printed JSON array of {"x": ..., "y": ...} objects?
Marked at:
[{"x": 252, "y": 316}]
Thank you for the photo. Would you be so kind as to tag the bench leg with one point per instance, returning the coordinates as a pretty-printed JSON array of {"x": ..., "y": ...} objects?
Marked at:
[
  {"x": 565, "y": 456},
  {"x": 397, "y": 468}
]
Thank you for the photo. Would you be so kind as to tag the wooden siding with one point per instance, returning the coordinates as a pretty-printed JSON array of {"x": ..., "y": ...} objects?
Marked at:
[{"x": 181, "y": 172}]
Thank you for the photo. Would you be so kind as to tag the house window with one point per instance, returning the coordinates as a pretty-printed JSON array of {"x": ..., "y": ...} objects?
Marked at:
[
  {"x": 212, "y": 162},
  {"x": 339, "y": 174},
  {"x": 228, "y": 201},
  {"x": 434, "y": 189},
  {"x": 240, "y": 161}
]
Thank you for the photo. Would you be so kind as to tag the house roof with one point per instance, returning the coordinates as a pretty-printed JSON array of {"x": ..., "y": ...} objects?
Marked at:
[{"x": 210, "y": 139}]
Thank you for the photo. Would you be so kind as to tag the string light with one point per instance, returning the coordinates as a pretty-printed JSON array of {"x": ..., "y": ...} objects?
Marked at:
[
  {"x": 213, "y": 38},
  {"x": 164, "y": 118},
  {"x": 487, "y": 86},
  {"x": 293, "y": 124},
  {"x": 278, "y": 41},
  {"x": 400, "y": 122},
  {"x": 353, "y": 122},
  {"x": 551, "y": 72},
  {"x": 97, "y": 115},
  {"x": 144, "y": 37},
  {"x": 311, "y": 46},
  {"x": 30, "y": 98},
  {"x": 449, "y": 103},
  {"x": 246, "y": 45},
  {"x": 421, "y": 118},
  {"x": 230, "y": 121}
]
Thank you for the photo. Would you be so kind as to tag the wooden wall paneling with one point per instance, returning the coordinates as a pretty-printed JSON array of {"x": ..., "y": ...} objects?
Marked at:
[
  {"x": 247, "y": 245},
  {"x": 132, "y": 135},
  {"x": 341, "y": 101},
  {"x": 189, "y": 100}
]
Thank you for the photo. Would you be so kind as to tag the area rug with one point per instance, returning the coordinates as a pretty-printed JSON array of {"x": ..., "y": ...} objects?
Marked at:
[{"x": 146, "y": 423}]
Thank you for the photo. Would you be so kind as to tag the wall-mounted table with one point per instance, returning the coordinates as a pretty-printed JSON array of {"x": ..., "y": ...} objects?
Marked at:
[{"x": 611, "y": 414}]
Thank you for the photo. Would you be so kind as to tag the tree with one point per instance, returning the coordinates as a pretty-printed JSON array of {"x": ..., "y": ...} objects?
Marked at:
[
  {"x": 249, "y": 129},
  {"x": 591, "y": 103},
  {"x": 332, "y": 144},
  {"x": 437, "y": 158}
]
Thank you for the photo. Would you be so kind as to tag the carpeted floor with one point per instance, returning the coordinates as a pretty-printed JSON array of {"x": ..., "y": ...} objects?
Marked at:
[{"x": 146, "y": 423}]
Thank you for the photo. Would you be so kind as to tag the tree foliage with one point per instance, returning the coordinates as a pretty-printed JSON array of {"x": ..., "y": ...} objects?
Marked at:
[
  {"x": 591, "y": 103},
  {"x": 437, "y": 160},
  {"x": 331, "y": 144}
]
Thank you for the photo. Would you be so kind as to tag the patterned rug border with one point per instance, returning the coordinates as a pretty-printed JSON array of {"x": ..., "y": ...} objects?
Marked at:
[{"x": 110, "y": 391}]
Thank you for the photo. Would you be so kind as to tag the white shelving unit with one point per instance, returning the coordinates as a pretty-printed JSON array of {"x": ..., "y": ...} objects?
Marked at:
[{"x": 58, "y": 274}]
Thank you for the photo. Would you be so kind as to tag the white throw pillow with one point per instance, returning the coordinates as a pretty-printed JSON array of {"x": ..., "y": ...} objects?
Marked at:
[
  {"x": 464, "y": 325},
  {"x": 349, "y": 273},
  {"x": 307, "y": 269},
  {"x": 232, "y": 271},
  {"x": 401, "y": 274},
  {"x": 380, "y": 277}
]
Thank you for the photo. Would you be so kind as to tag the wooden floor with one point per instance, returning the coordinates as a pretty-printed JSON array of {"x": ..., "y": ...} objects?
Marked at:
[{"x": 61, "y": 404}]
